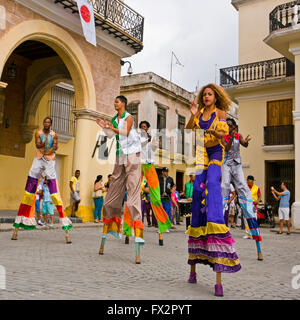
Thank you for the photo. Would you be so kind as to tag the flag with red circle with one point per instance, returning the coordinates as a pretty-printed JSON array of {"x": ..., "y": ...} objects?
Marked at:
[{"x": 86, "y": 13}]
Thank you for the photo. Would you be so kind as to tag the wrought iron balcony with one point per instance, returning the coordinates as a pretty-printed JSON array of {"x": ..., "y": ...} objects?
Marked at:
[
  {"x": 279, "y": 135},
  {"x": 257, "y": 71},
  {"x": 285, "y": 16},
  {"x": 117, "y": 18}
]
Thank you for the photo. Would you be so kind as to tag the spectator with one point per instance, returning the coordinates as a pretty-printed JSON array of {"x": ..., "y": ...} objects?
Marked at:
[
  {"x": 189, "y": 187},
  {"x": 232, "y": 205},
  {"x": 166, "y": 183},
  {"x": 146, "y": 205},
  {"x": 256, "y": 197},
  {"x": 39, "y": 194},
  {"x": 98, "y": 198},
  {"x": 174, "y": 205},
  {"x": 106, "y": 185},
  {"x": 284, "y": 206},
  {"x": 75, "y": 193},
  {"x": 48, "y": 206}
]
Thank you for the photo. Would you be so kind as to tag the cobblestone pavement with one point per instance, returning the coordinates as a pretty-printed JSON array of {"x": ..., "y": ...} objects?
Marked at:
[{"x": 40, "y": 265}]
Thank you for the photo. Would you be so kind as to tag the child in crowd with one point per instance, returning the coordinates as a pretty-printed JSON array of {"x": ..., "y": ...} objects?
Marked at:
[
  {"x": 48, "y": 206},
  {"x": 38, "y": 197}
]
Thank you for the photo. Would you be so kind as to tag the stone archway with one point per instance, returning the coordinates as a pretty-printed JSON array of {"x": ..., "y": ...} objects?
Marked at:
[{"x": 67, "y": 49}]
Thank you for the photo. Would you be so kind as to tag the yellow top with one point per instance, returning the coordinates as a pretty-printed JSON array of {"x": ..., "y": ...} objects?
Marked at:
[{"x": 216, "y": 123}]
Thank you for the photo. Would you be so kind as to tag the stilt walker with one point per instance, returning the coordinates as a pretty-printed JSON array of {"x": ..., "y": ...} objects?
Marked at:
[
  {"x": 149, "y": 172},
  {"x": 210, "y": 241},
  {"x": 46, "y": 144},
  {"x": 127, "y": 173},
  {"x": 232, "y": 171}
]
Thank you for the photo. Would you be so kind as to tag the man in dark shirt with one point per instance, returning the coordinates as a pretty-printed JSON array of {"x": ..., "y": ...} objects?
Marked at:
[{"x": 166, "y": 183}]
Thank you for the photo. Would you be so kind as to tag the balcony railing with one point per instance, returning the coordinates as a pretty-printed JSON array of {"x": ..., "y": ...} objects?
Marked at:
[
  {"x": 279, "y": 135},
  {"x": 117, "y": 18},
  {"x": 257, "y": 71},
  {"x": 285, "y": 16}
]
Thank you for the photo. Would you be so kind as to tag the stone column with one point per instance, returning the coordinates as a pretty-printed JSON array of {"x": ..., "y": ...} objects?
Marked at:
[
  {"x": 84, "y": 143},
  {"x": 296, "y": 114}
]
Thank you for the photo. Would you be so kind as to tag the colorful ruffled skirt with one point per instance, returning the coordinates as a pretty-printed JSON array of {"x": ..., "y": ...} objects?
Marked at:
[{"x": 210, "y": 241}]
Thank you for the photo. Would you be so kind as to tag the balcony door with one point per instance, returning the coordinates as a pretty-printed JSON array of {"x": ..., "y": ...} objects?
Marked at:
[
  {"x": 279, "y": 113},
  {"x": 279, "y": 129}
]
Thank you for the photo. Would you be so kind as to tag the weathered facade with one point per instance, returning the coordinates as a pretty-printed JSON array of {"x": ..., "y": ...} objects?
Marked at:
[
  {"x": 165, "y": 106},
  {"x": 265, "y": 87},
  {"x": 42, "y": 45}
]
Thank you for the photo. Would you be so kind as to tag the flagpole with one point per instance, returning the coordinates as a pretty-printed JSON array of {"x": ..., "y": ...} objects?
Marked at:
[{"x": 171, "y": 66}]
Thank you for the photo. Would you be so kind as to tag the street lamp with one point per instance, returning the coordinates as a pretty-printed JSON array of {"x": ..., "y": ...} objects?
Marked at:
[{"x": 130, "y": 70}]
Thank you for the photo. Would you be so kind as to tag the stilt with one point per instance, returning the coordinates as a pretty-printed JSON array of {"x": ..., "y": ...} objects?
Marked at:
[
  {"x": 193, "y": 274},
  {"x": 101, "y": 250},
  {"x": 137, "y": 251},
  {"x": 15, "y": 234},
  {"x": 68, "y": 239},
  {"x": 161, "y": 241},
  {"x": 259, "y": 254},
  {"x": 126, "y": 240},
  {"x": 218, "y": 286}
]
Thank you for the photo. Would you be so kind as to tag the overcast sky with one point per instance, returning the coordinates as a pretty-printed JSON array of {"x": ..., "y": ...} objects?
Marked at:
[{"x": 202, "y": 34}]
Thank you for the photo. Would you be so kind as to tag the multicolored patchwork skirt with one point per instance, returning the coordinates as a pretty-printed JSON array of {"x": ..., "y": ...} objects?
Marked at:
[{"x": 26, "y": 214}]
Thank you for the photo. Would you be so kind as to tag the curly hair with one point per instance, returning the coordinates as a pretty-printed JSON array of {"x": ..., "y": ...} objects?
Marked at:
[{"x": 223, "y": 101}]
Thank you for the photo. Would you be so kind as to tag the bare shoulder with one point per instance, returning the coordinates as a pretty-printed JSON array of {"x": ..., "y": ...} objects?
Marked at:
[
  {"x": 38, "y": 133},
  {"x": 221, "y": 114}
]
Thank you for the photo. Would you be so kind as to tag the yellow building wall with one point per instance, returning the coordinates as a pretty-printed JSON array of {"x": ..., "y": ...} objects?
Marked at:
[
  {"x": 14, "y": 171},
  {"x": 253, "y": 29},
  {"x": 252, "y": 120}
]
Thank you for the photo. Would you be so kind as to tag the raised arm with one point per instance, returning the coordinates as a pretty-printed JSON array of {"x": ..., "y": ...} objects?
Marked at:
[
  {"x": 194, "y": 109},
  {"x": 245, "y": 142}
]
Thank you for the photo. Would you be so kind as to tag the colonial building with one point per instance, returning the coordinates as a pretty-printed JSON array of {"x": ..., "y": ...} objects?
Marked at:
[
  {"x": 48, "y": 68},
  {"x": 266, "y": 87},
  {"x": 166, "y": 107}
]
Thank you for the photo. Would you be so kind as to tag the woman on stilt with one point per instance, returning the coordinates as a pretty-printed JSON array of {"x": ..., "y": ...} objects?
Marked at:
[{"x": 210, "y": 241}]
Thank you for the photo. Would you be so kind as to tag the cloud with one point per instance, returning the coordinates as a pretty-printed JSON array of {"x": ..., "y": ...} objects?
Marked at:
[{"x": 202, "y": 34}]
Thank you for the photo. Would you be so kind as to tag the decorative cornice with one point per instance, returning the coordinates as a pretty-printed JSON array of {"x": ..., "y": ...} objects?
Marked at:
[
  {"x": 64, "y": 138},
  {"x": 296, "y": 115},
  {"x": 57, "y": 14},
  {"x": 91, "y": 114},
  {"x": 27, "y": 132},
  {"x": 295, "y": 51},
  {"x": 273, "y": 95},
  {"x": 158, "y": 104},
  {"x": 278, "y": 148}
]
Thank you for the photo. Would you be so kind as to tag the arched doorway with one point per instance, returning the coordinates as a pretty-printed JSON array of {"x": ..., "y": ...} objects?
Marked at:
[{"x": 34, "y": 57}]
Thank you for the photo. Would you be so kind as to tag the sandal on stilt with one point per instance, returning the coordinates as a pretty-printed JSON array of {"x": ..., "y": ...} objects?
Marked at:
[
  {"x": 218, "y": 290},
  {"x": 193, "y": 277}
]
